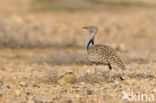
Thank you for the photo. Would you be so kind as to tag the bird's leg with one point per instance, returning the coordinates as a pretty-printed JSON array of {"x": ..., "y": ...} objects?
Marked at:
[
  {"x": 110, "y": 68},
  {"x": 94, "y": 68},
  {"x": 94, "y": 65},
  {"x": 122, "y": 75}
]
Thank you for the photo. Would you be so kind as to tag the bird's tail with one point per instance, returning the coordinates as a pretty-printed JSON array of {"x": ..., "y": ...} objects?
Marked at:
[{"x": 120, "y": 63}]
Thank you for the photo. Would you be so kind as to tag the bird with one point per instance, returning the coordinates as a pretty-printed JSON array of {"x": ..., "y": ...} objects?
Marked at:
[{"x": 101, "y": 53}]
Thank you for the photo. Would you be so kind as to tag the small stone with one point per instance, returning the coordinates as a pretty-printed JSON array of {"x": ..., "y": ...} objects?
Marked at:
[
  {"x": 17, "y": 92},
  {"x": 24, "y": 84},
  {"x": 8, "y": 86},
  {"x": 89, "y": 92},
  {"x": 67, "y": 78},
  {"x": 36, "y": 86},
  {"x": 69, "y": 101}
]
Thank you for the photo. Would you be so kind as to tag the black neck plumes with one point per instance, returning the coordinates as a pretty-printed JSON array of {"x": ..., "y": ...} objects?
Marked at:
[{"x": 91, "y": 41}]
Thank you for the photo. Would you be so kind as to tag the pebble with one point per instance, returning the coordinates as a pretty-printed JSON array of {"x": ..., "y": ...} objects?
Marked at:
[
  {"x": 17, "y": 92},
  {"x": 89, "y": 92},
  {"x": 24, "y": 84},
  {"x": 69, "y": 101}
]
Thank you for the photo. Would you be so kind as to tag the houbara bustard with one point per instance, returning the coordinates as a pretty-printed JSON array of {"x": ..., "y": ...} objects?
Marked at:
[{"x": 100, "y": 53}]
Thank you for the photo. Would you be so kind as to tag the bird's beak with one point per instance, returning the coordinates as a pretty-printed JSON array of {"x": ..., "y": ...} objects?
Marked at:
[{"x": 84, "y": 27}]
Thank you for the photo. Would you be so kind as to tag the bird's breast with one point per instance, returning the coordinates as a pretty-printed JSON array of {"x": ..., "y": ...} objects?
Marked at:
[{"x": 97, "y": 54}]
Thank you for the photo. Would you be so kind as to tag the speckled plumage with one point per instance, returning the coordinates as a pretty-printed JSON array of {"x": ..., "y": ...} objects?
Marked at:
[{"x": 103, "y": 54}]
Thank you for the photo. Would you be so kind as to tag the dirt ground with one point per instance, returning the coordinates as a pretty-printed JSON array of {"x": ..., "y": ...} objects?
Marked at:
[{"x": 43, "y": 55}]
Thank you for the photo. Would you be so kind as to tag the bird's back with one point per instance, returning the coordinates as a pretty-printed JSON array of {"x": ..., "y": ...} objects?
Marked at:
[{"x": 103, "y": 54}]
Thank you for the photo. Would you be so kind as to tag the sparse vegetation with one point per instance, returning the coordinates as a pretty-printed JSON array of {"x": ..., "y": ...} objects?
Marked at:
[{"x": 37, "y": 48}]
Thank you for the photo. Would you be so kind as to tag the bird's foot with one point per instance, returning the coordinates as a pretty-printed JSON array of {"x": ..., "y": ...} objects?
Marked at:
[
  {"x": 121, "y": 78},
  {"x": 110, "y": 78}
]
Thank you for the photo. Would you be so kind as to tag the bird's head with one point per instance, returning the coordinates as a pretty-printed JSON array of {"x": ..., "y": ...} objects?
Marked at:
[{"x": 91, "y": 29}]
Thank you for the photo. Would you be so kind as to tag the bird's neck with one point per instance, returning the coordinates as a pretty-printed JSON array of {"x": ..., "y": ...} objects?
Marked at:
[{"x": 90, "y": 40}]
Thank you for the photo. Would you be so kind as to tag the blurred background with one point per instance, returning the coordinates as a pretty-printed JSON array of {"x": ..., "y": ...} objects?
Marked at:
[
  {"x": 126, "y": 25},
  {"x": 42, "y": 40}
]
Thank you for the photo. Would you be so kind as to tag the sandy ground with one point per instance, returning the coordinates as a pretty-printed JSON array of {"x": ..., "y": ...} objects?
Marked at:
[{"x": 43, "y": 57}]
